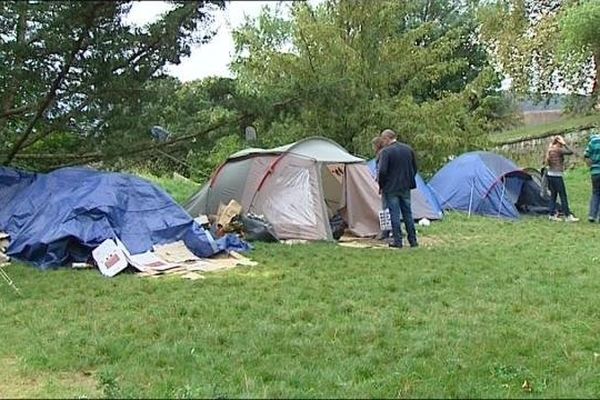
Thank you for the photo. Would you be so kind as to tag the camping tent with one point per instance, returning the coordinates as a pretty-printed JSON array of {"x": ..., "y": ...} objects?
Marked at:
[
  {"x": 423, "y": 201},
  {"x": 488, "y": 184},
  {"x": 533, "y": 198},
  {"x": 57, "y": 218},
  {"x": 298, "y": 188}
]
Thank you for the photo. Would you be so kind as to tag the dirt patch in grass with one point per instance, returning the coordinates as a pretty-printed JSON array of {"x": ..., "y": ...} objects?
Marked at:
[
  {"x": 16, "y": 383},
  {"x": 369, "y": 243}
]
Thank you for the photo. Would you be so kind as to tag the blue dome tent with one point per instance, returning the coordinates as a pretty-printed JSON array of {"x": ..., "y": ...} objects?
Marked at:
[
  {"x": 487, "y": 184},
  {"x": 424, "y": 202}
]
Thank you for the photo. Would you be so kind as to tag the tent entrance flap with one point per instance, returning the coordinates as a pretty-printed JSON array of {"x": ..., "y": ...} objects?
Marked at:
[
  {"x": 292, "y": 200},
  {"x": 362, "y": 201},
  {"x": 332, "y": 177}
]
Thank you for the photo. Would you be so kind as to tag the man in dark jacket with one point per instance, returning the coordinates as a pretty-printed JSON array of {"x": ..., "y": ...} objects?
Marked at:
[{"x": 397, "y": 170}]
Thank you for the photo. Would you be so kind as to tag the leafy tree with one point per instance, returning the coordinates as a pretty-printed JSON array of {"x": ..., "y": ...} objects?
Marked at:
[
  {"x": 76, "y": 70},
  {"x": 545, "y": 45},
  {"x": 348, "y": 69},
  {"x": 189, "y": 108},
  {"x": 580, "y": 34}
]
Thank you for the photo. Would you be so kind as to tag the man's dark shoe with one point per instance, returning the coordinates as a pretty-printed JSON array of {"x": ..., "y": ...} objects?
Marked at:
[
  {"x": 395, "y": 245},
  {"x": 414, "y": 245}
]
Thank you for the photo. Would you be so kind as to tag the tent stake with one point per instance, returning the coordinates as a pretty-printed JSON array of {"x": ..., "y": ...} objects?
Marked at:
[{"x": 8, "y": 280}]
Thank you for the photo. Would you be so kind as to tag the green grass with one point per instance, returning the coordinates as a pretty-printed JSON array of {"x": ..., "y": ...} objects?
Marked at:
[
  {"x": 487, "y": 306},
  {"x": 529, "y": 132},
  {"x": 179, "y": 188}
]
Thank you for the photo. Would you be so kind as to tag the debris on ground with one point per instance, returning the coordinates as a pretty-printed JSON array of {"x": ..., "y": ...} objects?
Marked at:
[
  {"x": 81, "y": 265},
  {"x": 193, "y": 269},
  {"x": 292, "y": 242},
  {"x": 424, "y": 222},
  {"x": 4, "y": 242},
  {"x": 172, "y": 259},
  {"x": 231, "y": 220},
  {"x": 227, "y": 213},
  {"x": 175, "y": 252},
  {"x": 203, "y": 221},
  {"x": 257, "y": 228},
  {"x": 110, "y": 258},
  {"x": 349, "y": 240},
  {"x": 362, "y": 243},
  {"x": 338, "y": 226},
  {"x": 5, "y": 261},
  {"x": 526, "y": 386}
]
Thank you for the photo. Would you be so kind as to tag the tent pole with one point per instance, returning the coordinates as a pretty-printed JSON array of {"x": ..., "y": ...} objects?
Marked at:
[
  {"x": 471, "y": 198},
  {"x": 502, "y": 197}
]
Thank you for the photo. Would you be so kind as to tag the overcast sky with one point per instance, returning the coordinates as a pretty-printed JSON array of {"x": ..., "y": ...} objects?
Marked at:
[{"x": 210, "y": 59}]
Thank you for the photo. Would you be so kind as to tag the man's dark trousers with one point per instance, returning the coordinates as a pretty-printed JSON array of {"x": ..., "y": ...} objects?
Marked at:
[{"x": 399, "y": 204}]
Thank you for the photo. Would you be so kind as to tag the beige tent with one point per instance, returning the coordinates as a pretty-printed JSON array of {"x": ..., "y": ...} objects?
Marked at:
[{"x": 298, "y": 188}]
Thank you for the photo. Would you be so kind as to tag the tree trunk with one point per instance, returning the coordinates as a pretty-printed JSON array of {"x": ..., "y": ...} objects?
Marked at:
[
  {"x": 596, "y": 85},
  {"x": 9, "y": 96}
]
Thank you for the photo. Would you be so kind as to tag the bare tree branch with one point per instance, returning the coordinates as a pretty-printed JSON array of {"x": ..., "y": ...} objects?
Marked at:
[
  {"x": 144, "y": 148},
  {"x": 8, "y": 113},
  {"x": 51, "y": 127}
]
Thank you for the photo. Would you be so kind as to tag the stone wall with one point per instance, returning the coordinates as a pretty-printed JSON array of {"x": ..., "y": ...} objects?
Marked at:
[
  {"x": 530, "y": 152},
  {"x": 576, "y": 140}
]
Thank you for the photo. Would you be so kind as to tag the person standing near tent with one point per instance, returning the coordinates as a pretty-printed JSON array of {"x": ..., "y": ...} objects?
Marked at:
[
  {"x": 378, "y": 145},
  {"x": 592, "y": 157},
  {"x": 555, "y": 160},
  {"x": 396, "y": 177}
]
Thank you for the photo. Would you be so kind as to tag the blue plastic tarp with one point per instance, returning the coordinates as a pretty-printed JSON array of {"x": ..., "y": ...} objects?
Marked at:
[{"x": 60, "y": 217}]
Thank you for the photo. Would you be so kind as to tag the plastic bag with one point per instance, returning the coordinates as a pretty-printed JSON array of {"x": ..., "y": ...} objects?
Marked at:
[
  {"x": 258, "y": 229},
  {"x": 338, "y": 226}
]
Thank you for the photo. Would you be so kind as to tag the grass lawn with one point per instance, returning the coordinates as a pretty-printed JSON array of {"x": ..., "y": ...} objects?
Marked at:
[
  {"x": 490, "y": 305},
  {"x": 535, "y": 131},
  {"x": 180, "y": 189}
]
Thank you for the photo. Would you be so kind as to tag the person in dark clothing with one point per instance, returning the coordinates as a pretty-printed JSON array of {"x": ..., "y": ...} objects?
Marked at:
[
  {"x": 592, "y": 157},
  {"x": 396, "y": 177},
  {"x": 378, "y": 145}
]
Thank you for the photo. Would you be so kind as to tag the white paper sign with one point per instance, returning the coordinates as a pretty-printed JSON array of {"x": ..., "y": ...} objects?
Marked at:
[
  {"x": 385, "y": 222},
  {"x": 110, "y": 259}
]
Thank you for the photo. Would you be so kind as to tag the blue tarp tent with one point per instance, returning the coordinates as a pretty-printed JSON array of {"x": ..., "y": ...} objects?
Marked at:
[
  {"x": 483, "y": 183},
  {"x": 60, "y": 217},
  {"x": 424, "y": 202}
]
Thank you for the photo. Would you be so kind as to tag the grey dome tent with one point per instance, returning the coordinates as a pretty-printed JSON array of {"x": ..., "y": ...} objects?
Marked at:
[{"x": 298, "y": 187}]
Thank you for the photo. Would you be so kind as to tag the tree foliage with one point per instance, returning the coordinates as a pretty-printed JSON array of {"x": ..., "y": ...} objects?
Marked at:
[
  {"x": 348, "y": 69},
  {"x": 76, "y": 71},
  {"x": 545, "y": 45}
]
